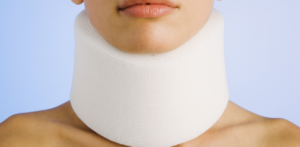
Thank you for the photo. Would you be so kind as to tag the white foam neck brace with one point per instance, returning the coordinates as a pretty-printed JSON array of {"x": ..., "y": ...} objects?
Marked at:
[{"x": 150, "y": 100}]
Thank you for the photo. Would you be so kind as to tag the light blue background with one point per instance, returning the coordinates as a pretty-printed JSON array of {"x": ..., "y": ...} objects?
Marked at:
[{"x": 262, "y": 52}]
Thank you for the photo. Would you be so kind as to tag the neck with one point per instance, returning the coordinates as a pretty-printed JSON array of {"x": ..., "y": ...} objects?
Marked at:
[{"x": 120, "y": 95}]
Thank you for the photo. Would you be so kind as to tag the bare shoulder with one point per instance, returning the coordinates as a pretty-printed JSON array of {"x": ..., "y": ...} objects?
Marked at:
[
  {"x": 280, "y": 132},
  {"x": 59, "y": 117},
  {"x": 59, "y": 127},
  {"x": 39, "y": 128},
  {"x": 263, "y": 132},
  {"x": 259, "y": 131},
  {"x": 238, "y": 127},
  {"x": 25, "y": 130}
]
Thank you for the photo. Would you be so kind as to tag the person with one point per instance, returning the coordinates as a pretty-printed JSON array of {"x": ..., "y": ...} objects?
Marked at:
[{"x": 61, "y": 127}]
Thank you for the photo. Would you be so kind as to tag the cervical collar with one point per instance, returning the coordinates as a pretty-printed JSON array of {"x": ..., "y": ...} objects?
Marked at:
[{"x": 150, "y": 100}]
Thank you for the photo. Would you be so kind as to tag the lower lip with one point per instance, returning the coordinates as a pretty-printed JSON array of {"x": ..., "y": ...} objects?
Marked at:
[{"x": 142, "y": 11}]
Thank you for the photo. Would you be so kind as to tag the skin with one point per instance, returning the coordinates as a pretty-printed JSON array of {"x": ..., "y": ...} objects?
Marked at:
[
  {"x": 60, "y": 126},
  {"x": 147, "y": 35}
]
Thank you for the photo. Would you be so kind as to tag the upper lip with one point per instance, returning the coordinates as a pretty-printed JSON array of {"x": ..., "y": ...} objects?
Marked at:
[{"x": 128, "y": 3}]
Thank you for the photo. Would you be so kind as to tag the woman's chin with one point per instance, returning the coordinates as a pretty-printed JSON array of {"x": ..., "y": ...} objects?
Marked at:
[{"x": 149, "y": 46}]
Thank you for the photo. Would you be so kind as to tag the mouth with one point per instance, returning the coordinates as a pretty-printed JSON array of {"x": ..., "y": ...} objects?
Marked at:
[
  {"x": 129, "y": 3},
  {"x": 147, "y": 8}
]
